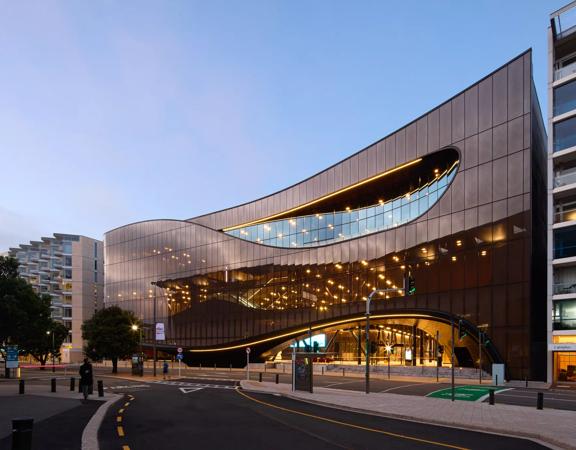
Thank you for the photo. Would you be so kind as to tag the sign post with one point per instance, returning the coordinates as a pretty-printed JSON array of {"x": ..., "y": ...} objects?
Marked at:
[
  {"x": 179, "y": 357},
  {"x": 11, "y": 358},
  {"x": 248, "y": 363}
]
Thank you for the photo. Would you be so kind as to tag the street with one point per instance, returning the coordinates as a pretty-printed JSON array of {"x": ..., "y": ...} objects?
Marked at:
[{"x": 203, "y": 413}]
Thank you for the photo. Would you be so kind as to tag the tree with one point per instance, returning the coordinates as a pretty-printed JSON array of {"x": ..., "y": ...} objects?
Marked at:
[
  {"x": 39, "y": 342},
  {"x": 25, "y": 316},
  {"x": 109, "y": 334}
]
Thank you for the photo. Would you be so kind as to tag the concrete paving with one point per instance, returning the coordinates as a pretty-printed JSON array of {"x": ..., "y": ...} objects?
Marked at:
[{"x": 551, "y": 426}]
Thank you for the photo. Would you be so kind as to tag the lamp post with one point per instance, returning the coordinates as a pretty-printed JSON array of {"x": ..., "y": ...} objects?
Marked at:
[
  {"x": 135, "y": 327},
  {"x": 368, "y": 300},
  {"x": 52, "y": 333}
]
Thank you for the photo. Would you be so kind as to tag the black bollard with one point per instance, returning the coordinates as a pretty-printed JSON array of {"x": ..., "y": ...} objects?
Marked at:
[
  {"x": 100, "y": 388},
  {"x": 343, "y": 372},
  {"x": 53, "y": 385},
  {"x": 21, "y": 387},
  {"x": 80, "y": 386},
  {"x": 230, "y": 367},
  {"x": 72, "y": 384},
  {"x": 540, "y": 401},
  {"x": 277, "y": 378},
  {"x": 22, "y": 433},
  {"x": 322, "y": 370},
  {"x": 491, "y": 397},
  {"x": 260, "y": 377}
]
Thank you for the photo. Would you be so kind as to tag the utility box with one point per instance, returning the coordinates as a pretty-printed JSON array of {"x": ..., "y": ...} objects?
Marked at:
[
  {"x": 137, "y": 365},
  {"x": 498, "y": 374},
  {"x": 302, "y": 370}
]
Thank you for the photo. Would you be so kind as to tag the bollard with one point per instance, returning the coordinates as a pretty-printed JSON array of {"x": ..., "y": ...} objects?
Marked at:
[
  {"x": 526, "y": 381},
  {"x": 22, "y": 433},
  {"x": 277, "y": 378},
  {"x": 21, "y": 387},
  {"x": 200, "y": 366},
  {"x": 53, "y": 385},
  {"x": 540, "y": 401},
  {"x": 491, "y": 397},
  {"x": 230, "y": 367},
  {"x": 80, "y": 386},
  {"x": 214, "y": 365},
  {"x": 72, "y": 384},
  {"x": 343, "y": 372},
  {"x": 260, "y": 377},
  {"x": 100, "y": 388}
]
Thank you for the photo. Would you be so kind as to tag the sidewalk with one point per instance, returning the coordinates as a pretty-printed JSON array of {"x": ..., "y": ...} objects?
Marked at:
[{"x": 555, "y": 427}]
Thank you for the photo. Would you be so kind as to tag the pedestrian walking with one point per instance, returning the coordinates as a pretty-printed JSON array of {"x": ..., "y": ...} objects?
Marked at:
[
  {"x": 86, "y": 378},
  {"x": 165, "y": 369}
]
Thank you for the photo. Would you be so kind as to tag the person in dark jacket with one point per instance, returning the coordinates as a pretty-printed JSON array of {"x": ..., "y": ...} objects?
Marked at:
[{"x": 86, "y": 378}]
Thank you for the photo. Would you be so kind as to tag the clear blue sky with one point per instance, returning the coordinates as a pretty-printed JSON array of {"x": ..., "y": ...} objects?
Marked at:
[{"x": 114, "y": 112}]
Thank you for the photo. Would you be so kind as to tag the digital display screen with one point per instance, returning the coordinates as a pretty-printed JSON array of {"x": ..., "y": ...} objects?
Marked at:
[{"x": 320, "y": 338}]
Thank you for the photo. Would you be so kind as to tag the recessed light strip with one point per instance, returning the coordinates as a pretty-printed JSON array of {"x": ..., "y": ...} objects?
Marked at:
[{"x": 333, "y": 194}]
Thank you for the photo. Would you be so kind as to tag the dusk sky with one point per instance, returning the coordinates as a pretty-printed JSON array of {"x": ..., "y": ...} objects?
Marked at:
[{"x": 113, "y": 112}]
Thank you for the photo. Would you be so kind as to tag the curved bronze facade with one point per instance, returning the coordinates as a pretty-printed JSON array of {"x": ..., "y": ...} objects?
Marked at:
[{"x": 243, "y": 276}]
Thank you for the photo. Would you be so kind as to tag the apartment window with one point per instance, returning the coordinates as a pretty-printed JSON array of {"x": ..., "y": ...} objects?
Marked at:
[
  {"x": 67, "y": 260},
  {"x": 565, "y": 98},
  {"x": 564, "y": 315},
  {"x": 68, "y": 274},
  {"x": 95, "y": 277},
  {"x": 565, "y": 134},
  {"x": 67, "y": 312},
  {"x": 67, "y": 286},
  {"x": 67, "y": 247},
  {"x": 95, "y": 250},
  {"x": 95, "y": 265},
  {"x": 565, "y": 242}
]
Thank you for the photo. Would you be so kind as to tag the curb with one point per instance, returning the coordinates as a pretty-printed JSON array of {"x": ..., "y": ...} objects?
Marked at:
[
  {"x": 90, "y": 433},
  {"x": 518, "y": 434}
]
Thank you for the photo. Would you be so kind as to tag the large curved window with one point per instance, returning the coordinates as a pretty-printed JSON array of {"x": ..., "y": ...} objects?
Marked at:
[{"x": 414, "y": 193}]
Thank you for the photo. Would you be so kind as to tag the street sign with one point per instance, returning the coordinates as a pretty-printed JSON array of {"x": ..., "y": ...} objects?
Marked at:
[
  {"x": 160, "y": 336},
  {"x": 179, "y": 349},
  {"x": 248, "y": 350},
  {"x": 11, "y": 356},
  {"x": 179, "y": 356}
]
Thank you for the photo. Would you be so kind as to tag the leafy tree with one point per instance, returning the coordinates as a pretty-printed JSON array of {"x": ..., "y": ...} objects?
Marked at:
[
  {"x": 25, "y": 316},
  {"x": 39, "y": 344},
  {"x": 109, "y": 334}
]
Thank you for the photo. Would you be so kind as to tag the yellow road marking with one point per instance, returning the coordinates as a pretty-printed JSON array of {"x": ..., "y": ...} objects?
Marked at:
[
  {"x": 121, "y": 410},
  {"x": 131, "y": 397},
  {"x": 351, "y": 425},
  {"x": 126, "y": 404},
  {"x": 125, "y": 447},
  {"x": 119, "y": 419},
  {"x": 120, "y": 431}
]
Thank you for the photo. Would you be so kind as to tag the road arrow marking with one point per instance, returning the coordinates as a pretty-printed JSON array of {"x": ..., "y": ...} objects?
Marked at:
[{"x": 188, "y": 390}]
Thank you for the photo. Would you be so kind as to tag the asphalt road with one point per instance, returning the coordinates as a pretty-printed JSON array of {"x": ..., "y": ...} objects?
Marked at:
[
  {"x": 209, "y": 414},
  {"x": 556, "y": 399}
]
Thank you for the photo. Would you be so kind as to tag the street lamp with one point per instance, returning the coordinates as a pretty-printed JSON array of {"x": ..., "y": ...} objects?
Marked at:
[
  {"x": 52, "y": 333},
  {"x": 135, "y": 327}
]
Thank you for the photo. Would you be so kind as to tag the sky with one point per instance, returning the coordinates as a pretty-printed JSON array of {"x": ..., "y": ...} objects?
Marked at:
[{"x": 115, "y": 112}]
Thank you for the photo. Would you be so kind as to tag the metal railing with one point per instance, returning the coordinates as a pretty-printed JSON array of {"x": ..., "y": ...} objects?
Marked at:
[
  {"x": 564, "y": 324},
  {"x": 564, "y": 288},
  {"x": 564, "y": 179},
  {"x": 565, "y": 215},
  {"x": 564, "y": 71}
]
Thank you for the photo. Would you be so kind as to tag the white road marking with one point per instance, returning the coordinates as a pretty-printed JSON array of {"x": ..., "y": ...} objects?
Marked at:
[
  {"x": 402, "y": 386},
  {"x": 188, "y": 390},
  {"x": 194, "y": 385}
]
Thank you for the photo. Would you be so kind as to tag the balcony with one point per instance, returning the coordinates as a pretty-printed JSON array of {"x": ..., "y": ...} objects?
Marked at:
[
  {"x": 563, "y": 324},
  {"x": 564, "y": 179},
  {"x": 564, "y": 288},
  {"x": 565, "y": 71}
]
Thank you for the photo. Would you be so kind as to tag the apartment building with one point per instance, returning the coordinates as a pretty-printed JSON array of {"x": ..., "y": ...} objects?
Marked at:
[{"x": 69, "y": 268}]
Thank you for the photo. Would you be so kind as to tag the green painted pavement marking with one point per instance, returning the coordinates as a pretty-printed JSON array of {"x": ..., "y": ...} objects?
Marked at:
[{"x": 466, "y": 393}]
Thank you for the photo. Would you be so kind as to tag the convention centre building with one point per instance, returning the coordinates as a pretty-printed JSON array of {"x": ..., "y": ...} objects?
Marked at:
[{"x": 442, "y": 223}]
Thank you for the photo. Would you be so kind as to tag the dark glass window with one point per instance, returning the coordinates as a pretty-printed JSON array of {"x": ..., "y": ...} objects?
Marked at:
[
  {"x": 565, "y": 242},
  {"x": 68, "y": 273},
  {"x": 565, "y": 98},
  {"x": 565, "y": 315},
  {"x": 67, "y": 260},
  {"x": 565, "y": 134}
]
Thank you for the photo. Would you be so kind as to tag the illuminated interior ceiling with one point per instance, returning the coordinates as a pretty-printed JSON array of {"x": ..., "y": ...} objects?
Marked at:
[{"x": 386, "y": 200}]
